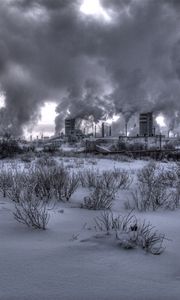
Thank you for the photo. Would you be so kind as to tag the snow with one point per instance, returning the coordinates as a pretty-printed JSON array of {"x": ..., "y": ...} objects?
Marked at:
[
  {"x": 71, "y": 260},
  {"x": 69, "y": 148}
]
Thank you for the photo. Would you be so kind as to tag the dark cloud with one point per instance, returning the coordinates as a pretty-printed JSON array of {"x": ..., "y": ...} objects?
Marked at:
[{"x": 90, "y": 66}]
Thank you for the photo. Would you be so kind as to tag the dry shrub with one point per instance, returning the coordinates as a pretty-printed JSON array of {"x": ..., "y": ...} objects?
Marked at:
[
  {"x": 54, "y": 182},
  {"x": 107, "y": 222},
  {"x": 115, "y": 179},
  {"x": 60, "y": 178},
  {"x": 42, "y": 180},
  {"x": 100, "y": 198},
  {"x": 28, "y": 157},
  {"x": 131, "y": 233},
  {"x": 152, "y": 190},
  {"x": 144, "y": 198},
  {"x": 31, "y": 211},
  {"x": 92, "y": 161},
  {"x": 6, "y": 181},
  {"x": 47, "y": 181},
  {"x": 70, "y": 186},
  {"x": 169, "y": 177},
  {"x": 122, "y": 178},
  {"x": 88, "y": 178},
  {"x": 19, "y": 182},
  {"x": 122, "y": 158},
  {"x": 46, "y": 161},
  {"x": 79, "y": 163},
  {"x": 103, "y": 187}
]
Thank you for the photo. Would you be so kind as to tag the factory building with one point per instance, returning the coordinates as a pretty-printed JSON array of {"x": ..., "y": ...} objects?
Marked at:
[
  {"x": 69, "y": 126},
  {"x": 146, "y": 124},
  {"x": 72, "y": 133}
]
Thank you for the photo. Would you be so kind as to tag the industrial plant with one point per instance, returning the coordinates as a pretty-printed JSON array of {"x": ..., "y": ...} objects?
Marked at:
[{"x": 103, "y": 138}]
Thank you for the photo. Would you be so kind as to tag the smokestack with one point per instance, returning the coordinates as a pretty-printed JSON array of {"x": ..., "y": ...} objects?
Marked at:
[
  {"x": 126, "y": 128},
  {"x": 154, "y": 131},
  {"x": 109, "y": 130},
  {"x": 95, "y": 131},
  {"x": 169, "y": 133},
  {"x": 103, "y": 129}
]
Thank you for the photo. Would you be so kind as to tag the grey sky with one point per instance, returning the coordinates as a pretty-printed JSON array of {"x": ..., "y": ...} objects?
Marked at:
[{"x": 50, "y": 50}]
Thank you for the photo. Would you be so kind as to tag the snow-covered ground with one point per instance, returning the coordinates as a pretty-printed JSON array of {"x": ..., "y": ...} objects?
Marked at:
[{"x": 67, "y": 261}]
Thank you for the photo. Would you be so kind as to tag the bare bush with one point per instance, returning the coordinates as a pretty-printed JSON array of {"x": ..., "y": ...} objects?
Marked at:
[
  {"x": 63, "y": 183},
  {"x": 121, "y": 158},
  {"x": 70, "y": 185},
  {"x": 28, "y": 157},
  {"x": 169, "y": 177},
  {"x": 92, "y": 161},
  {"x": 149, "y": 239},
  {"x": 46, "y": 182},
  {"x": 100, "y": 198},
  {"x": 116, "y": 179},
  {"x": 19, "y": 182},
  {"x": 41, "y": 178},
  {"x": 88, "y": 178},
  {"x": 103, "y": 187},
  {"x": 107, "y": 180},
  {"x": 6, "y": 181},
  {"x": 152, "y": 191},
  {"x": 59, "y": 182},
  {"x": 31, "y": 211},
  {"x": 131, "y": 233},
  {"x": 147, "y": 174},
  {"x": 46, "y": 161},
  {"x": 152, "y": 197},
  {"x": 123, "y": 178},
  {"x": 79, "y": 163},
  {"x": 107, "y": 222}
]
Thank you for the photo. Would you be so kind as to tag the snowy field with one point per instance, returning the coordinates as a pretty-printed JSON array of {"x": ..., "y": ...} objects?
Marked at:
[{"x": 71, "y": 260}]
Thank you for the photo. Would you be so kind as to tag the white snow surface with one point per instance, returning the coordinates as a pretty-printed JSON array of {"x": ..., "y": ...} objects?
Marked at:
[{"x": 68, "y": 261}]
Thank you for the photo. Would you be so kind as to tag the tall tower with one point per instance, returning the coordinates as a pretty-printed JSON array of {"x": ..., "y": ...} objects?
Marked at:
[
  {"x": 102, "y": 129},
  {"x": 146, "y": 124},
  {"x": 69, "y": 126}
]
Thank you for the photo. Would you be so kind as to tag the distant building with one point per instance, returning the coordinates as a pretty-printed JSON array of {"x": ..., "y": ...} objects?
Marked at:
[
  {"x": 69, "y": 126},
  {"x": 146, "y": 124},
  {"x": 143, "y": 142},
  {"x": 72, "y": 133}
]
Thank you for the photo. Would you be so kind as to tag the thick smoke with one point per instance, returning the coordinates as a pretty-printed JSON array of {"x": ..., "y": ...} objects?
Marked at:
[{"x": 90, "y": 66}]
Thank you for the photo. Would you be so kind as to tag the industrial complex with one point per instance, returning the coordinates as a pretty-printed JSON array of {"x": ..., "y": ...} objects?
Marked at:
[{"x": 102, "y": 138}]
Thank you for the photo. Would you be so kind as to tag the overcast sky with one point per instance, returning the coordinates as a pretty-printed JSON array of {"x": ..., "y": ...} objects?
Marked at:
[{"x": 92, "y": 60}]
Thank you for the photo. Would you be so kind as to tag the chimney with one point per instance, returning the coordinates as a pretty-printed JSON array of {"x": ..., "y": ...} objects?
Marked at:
[
  {"x": 126, "y": 128},
  {"x": 103, "y": 129},
  {"x": 154, "y": 131},
  {"x": 109, "y": 130}
]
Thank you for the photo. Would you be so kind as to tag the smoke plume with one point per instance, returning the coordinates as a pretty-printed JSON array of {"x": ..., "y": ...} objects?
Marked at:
[{"x": 88, "y": 65}]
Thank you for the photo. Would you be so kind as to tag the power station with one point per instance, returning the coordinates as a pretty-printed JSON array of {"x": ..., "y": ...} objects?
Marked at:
[
  {"x": 104, "y": 138},
  {"x": 70, "y": 126},
  {"x": 72, "y": 133},
  {"x": 146, "y": 127},
  {"x": 146, "y": 124}
]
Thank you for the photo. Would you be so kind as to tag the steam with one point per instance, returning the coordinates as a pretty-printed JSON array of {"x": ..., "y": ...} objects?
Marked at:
[{"x": 92, "y": 69}]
